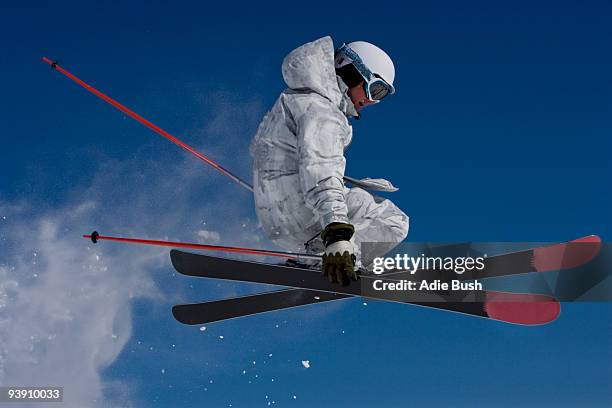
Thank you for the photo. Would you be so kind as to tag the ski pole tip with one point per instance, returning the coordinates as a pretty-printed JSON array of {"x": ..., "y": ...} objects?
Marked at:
[{"x": 50, "y": 62}]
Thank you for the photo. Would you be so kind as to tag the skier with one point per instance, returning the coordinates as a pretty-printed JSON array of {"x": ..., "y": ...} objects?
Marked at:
[{"x": 300, "y": 196}]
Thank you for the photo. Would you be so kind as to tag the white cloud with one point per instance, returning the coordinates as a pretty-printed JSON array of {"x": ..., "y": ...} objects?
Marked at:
[
  {"x": 208, "y": 237},
  {"x": 65, "y": 303},
  {"x": 65, "y": 313}
]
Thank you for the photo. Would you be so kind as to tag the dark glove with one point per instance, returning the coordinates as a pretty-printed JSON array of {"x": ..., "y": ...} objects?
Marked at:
[{"x": 339, "y": 257}]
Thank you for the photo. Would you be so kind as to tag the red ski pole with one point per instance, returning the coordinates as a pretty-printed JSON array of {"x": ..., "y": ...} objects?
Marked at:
[
  {"x": 95, "y": 237},
  {"x": 149, "y": 124}
]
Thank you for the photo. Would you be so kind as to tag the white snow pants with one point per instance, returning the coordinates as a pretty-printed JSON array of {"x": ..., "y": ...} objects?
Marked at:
[{"x": 375, "y": 219}]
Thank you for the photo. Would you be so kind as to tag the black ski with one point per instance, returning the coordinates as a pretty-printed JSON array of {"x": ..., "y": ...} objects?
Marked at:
[
  {"x": 508, "y": 307},
  {"x": 208, "y": 312},
  {"x": 559, "y": 255},
  {"x": 552, "y": 257}
]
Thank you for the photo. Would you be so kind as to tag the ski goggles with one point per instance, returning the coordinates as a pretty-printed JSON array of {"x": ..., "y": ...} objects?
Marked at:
[{"x": 374, "y": 86}]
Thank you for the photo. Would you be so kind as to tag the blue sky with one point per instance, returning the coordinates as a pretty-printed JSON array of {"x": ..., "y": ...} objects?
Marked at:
[{"x": 500, "y": 130}]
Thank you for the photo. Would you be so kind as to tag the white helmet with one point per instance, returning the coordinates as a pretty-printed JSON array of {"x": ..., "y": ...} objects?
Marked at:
[{"x": 366, "y": 55}]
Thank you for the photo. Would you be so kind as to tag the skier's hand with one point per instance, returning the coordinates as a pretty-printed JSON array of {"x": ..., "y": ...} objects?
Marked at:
[
  {"x": 339, "y": 263},
  {"x": 339, "y": 257}
]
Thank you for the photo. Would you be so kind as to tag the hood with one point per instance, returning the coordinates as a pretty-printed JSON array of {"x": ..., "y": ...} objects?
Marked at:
[{"x": 311, "y": 66}]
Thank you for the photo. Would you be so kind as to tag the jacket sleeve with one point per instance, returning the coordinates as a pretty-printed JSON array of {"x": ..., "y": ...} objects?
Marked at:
[{"x": 320, "y": 135}]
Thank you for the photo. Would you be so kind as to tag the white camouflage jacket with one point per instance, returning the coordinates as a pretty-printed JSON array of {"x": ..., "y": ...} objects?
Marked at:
[{"x": 298, "y": 149}]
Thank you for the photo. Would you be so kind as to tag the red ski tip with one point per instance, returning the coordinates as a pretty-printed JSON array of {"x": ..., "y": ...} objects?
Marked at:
[
  {"x": 521, "y": 308},
  {"x": 566, "y": 255}
]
